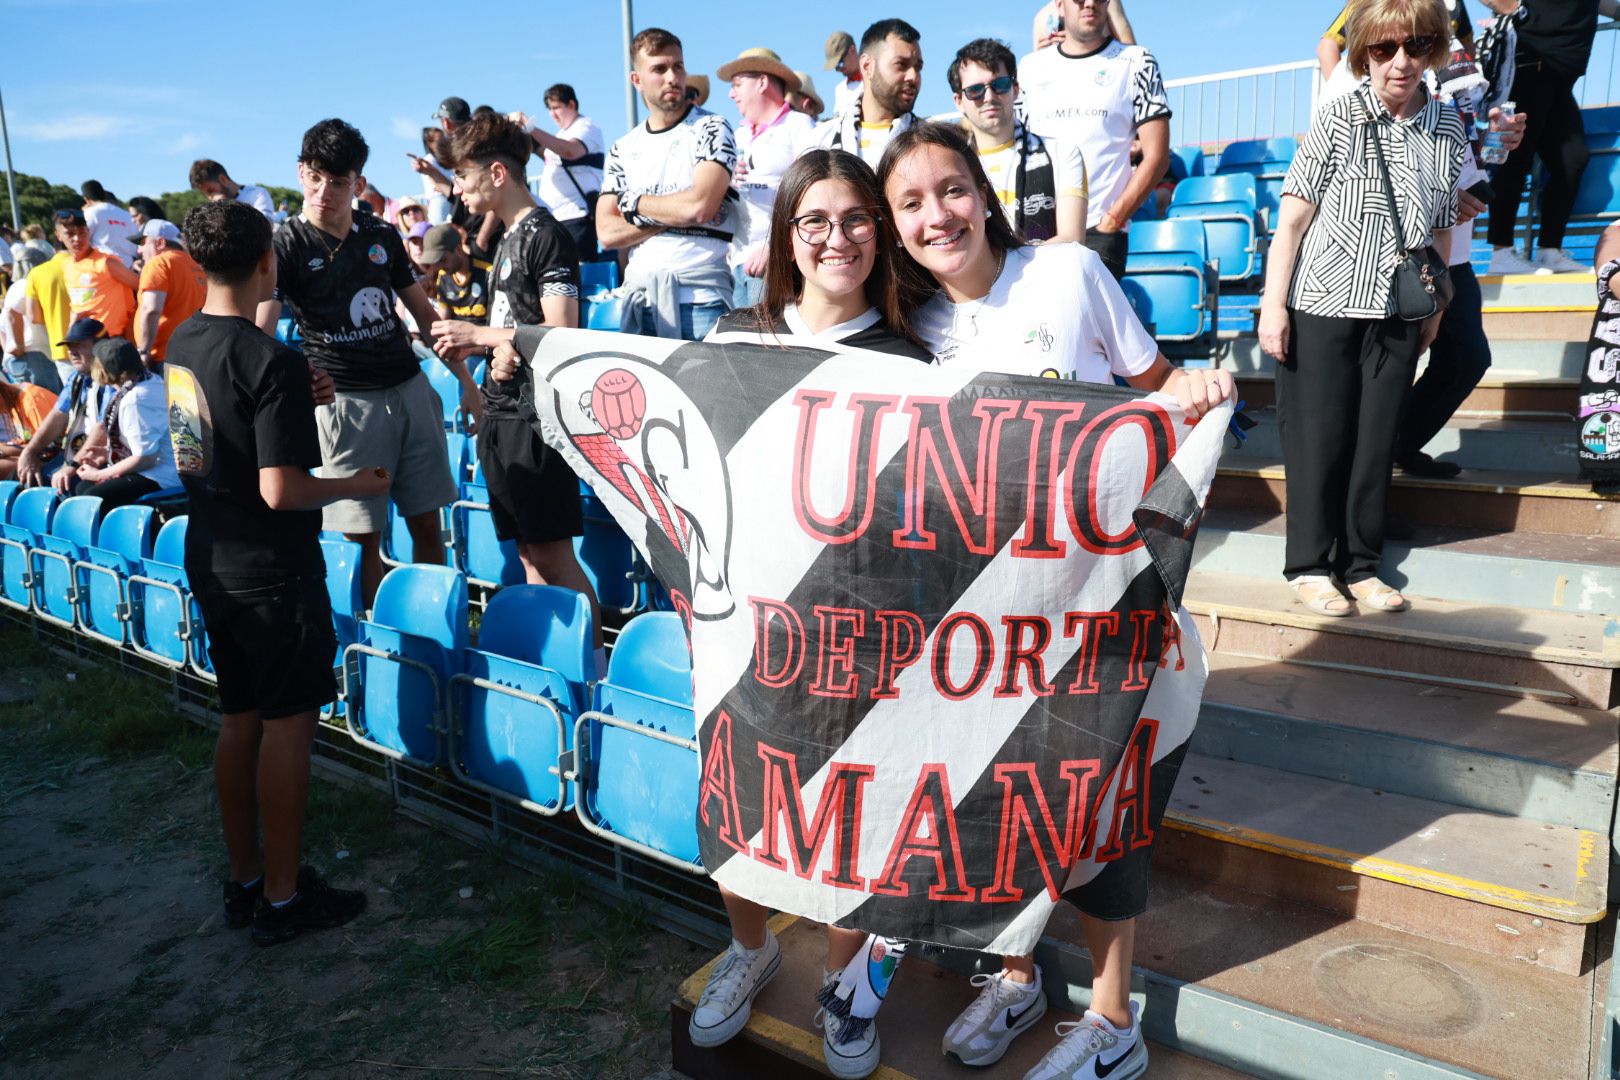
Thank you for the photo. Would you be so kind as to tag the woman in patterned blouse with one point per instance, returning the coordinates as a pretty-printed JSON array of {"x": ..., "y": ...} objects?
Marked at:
[{"x": 1344, "y": 360}]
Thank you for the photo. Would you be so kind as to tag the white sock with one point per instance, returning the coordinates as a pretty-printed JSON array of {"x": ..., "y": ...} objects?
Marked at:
[
  {"x": 1026, "y": 988},
  {"x": 601, "y": 662},
  {"x": 1125, "y": 1034},
  {"x": 746, "y": 951}
]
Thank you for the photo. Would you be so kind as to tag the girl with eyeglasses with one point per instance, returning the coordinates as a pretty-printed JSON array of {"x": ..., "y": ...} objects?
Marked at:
[
  {"x": 1344, "y": 359},
  {"x": 829, "y": 284},
  {"x": 989, "y": 303}
]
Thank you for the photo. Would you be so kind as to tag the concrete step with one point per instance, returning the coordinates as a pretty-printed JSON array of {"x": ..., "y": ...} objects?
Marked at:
[
  {"x": 1554, "y": 323},
  {"x": 1472, "y": 442},
  {"x": 1517, "y": 359},
  {"x": 1562, "y": 657},
  {"x": 1547, "y": 502},
  {"x": 1503, "y": 397},
  {"x": 1503, "y": 885},
  {"x": 1575, "y": 291},
  {"x": 782, "y": 1042},
  {"x": 1550, "y": 572},
  {"x": 1289, "y": 990},
  {"x": 1521, "y": 757}
]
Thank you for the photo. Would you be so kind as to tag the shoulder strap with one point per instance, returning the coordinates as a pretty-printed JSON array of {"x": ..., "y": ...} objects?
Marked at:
[{"x": 1389, "y": 189}]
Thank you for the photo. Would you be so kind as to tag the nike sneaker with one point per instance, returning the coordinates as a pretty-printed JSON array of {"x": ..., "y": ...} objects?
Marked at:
[
  {"x": 1093, "y": 1049},
  {"x": 1003, "y": 1011}
]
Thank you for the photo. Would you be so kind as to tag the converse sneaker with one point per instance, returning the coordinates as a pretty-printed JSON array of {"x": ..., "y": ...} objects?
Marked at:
[
  {"x": 1093, "y": 1049},
  {"x": 1003, "y": 1011},
  {"x": 728, "y": 997},
  {"x": 1557, "y": 261},
  {"x": 240, "y": 900},
  {"x": 856, "y": 1056},
  {"x": 1507, "y": 260},
  {"x": 315, "y": 906}
]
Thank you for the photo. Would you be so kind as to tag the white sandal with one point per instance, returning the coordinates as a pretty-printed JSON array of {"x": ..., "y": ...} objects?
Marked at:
[
  {"x": 1319, "y": 593},
  {"x": 1379, "y": 596}
]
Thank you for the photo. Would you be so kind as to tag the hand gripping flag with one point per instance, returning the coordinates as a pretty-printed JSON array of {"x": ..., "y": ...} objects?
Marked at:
[{"x": 941, "y": 671}]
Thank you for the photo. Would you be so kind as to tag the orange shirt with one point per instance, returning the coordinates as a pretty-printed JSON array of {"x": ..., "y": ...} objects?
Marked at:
[
  {"x": 33, "y": 407},
  {"x": 94, "y": 292},
  {"x": 178, "y": 276}
]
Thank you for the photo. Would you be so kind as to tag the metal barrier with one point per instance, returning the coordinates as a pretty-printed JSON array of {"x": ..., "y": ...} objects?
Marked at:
[{"x": 1210, "y": 109}]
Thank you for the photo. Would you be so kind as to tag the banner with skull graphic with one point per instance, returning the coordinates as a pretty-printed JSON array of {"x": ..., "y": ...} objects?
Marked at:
[{"x": 942, "y": 675}]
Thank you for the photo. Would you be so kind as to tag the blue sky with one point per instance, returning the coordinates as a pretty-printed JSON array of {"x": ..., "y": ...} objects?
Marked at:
[{"x": 240, "y": 82}]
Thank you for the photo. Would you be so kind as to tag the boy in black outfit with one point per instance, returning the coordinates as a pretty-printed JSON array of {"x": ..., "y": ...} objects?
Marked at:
[{"x": 242, "y": 422}]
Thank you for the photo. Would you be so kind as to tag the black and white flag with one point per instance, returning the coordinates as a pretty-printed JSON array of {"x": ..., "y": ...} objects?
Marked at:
[{"x": 941, "y": 670}]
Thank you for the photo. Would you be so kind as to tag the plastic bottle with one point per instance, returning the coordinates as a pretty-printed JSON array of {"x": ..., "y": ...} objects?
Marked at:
[{"x": 1492, "y": 151}]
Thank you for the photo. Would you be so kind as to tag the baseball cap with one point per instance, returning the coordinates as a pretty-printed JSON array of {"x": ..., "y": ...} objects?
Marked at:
[
  {"x": 439, "y": 241},
  {"x": 837, "y": 45},
  {"x": 419, "y": 230},
  {"x": 83, "y": 330},
  {"x": 454, "y": 109},
  {"x": 158, "y": 229}
]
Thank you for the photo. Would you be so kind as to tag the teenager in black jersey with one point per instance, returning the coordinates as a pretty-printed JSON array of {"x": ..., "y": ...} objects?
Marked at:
[
  {"x": 340, "y": 271},
  {"x": 829, "y": 284},
  {"x": 533, "y": 494}
]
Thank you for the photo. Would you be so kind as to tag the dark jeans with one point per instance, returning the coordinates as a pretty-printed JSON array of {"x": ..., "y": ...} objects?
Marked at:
[
  {"x": 1458, "y": 359},
  {"x": 119, "y": 491},
  {"x": 1554, "y": 133},
  {"x": 1338, "y": 403},
  {"x": 583, "y": 230},
  {"x": 1111, "y": 248}
]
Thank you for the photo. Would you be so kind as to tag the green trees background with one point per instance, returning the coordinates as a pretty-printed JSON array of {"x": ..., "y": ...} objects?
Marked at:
[{"x": 38, "y": 198}]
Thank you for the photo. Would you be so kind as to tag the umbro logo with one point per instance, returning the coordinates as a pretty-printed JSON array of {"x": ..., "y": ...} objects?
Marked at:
[{"x": 316, "y": 263}]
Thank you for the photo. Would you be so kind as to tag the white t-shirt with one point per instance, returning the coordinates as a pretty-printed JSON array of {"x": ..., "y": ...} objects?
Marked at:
[
  {"x": 1055, "y": 311},
  {"x": 143, "y": 424},
  {"x": 34, "y": 337},
  {"x": 651, "y": 162},
  {"x": 110, "y": 230},
  {"x": 868, "y": 141},
  {"x": 768, "y": 156},
  {"x": 1001, "y": 167},
  {"x": 258, "y": 198},
  {"x": 846, "y": 94},
  {"x": 1095, "y": 102},
  {"x": 557, "y": 192}
]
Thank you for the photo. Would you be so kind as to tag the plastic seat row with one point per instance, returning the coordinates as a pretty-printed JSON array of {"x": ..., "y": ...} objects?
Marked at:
[
  {"x": 520, "y": 716},
  {"x": 1171, "y": 283}
]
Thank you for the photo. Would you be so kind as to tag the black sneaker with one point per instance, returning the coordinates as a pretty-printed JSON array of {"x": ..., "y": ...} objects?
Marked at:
[
  {"x": 1426, "y": 467},
  {"x": 317, "y": 906},
  {"x": 240, "y": 900}
]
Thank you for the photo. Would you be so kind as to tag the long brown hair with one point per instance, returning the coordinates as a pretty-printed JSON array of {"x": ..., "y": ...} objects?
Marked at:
[
  {"x": 784, "y": 282},
  {"x": 916, "y": 284}
]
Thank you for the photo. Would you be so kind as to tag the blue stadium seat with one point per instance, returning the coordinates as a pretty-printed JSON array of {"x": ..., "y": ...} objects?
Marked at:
[
  {"x": 607, "y": 557},
  {"x": 72, "y": 533},
  {"x": 448, "y": 387},
  {"x": 8, "y": 495},
  {"x": 1226, "y": 205},
  {"x": 603, "y": 314},
  {"x": 1168, "y": 262},
  {"x": 342, "y": 558},
  {"x": 29, "y": 519},
  {"x": 122, "y": 545},
  {"x": 595, "y": 277},
  {"x": 515, "y": 704},
  {"x": 397, "y": 677},
  {"x": 475, "y": 550},
  {"x": 1599, "y": 192},
  {"x": 637, "y": 748},
  {"x": 1186, "y": 162},
  {"x": 1267, "y": 160},
  {"x": 457, "y": 445},
  {"x": 165, "y": 625}
]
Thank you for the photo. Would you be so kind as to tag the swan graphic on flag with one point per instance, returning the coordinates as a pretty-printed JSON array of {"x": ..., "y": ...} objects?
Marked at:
[{"x": 942, "y": 674}]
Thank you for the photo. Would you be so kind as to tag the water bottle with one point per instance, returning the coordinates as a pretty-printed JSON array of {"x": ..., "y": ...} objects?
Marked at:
[{"x": 1492, "y": 151}]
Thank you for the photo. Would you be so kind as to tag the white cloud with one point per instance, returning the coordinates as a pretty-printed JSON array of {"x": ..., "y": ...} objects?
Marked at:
[
  {"x": 404, "y": 127},
  {"x": 80, "y": 126},
  {"x": 188, "y": 141}
]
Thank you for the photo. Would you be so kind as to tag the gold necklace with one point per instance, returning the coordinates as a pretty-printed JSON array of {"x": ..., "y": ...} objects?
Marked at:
[
  {"x": 331, "y": 252},
  {"x": 973, "y": 317}
]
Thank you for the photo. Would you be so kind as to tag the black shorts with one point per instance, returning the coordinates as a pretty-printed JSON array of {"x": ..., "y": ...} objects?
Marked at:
[
  {"x": 533, "y": 494},
  {"x": 1111, "y": 248},
  {"x": 272, "y": 646}
]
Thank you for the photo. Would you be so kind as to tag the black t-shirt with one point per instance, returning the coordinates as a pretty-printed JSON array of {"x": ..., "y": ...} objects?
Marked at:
[
  {"x": 536, "y": 259},
  {"x": 342, "y": 295},
  {"x": 1559, "y": 33},
  {"x": 466, "y": 300},
  {"x": 239, "y": 401},
  {"x": 470, "y": 223}
]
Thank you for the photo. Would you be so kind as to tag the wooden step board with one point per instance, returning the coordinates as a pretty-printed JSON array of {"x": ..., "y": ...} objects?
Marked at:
[
  {"x": 1533, "y": 323},
  {"x": 1559, "y": 656},
  {"x": 1504, "y": 501},
  {"x": 1509, "y": 755},
  {"x": 1506, "y": 396},
  {"x": 1502, "y": 885},
  {"x": 781, "y": 1041}
]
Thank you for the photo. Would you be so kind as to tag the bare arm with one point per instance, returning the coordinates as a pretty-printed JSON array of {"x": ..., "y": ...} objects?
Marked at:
[
  {"x": 1327, "y": 56},
  {"x": 1071, "y": 218},
  {"x": 48, "y": 435},
  {"x": 567, "y": 149},
  {"x": 1155, "y": 138},
  {"x": 146, "y": 319},
  {"x": 1119, "y": 24},
  {"x": 287, "y": 487},
  {"x": 1609, "y": 8},
  {"x": 1608, "y": 249},
  {"x": 268, "y": 315},
  {"x": 1195, "y": 391},
  {"x": 123, "y": 274},
  {"x": 15, "y": 320},
  {"x": 472, "y": 399},
  {"x": 613, "y": 232},
  {"x": 694, "y": 206},
  {"x": 36, "y": 314},
  {"x": 1294, "y": 216}
]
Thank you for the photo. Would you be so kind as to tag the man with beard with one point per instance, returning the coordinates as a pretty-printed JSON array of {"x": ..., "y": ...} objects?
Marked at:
[
  {"x": 667, "y": 197},
  {"x": 891, "y": 71},
  {"x": 1095, "y": 92}
]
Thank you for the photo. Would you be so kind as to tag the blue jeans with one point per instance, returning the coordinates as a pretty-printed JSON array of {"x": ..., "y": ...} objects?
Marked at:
[
  {"x": 747, "y": 290},
  {"x": 698, "y": 319}
]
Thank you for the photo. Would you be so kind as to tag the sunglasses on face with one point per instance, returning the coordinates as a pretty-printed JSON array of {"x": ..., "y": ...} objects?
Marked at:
[
  {"x": 1002, "y": 86},
  {"x": 1417, "y": 48}
]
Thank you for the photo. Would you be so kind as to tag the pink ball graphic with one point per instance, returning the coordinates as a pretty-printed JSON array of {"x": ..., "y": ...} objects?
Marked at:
[{"x": 619, "y": 403}]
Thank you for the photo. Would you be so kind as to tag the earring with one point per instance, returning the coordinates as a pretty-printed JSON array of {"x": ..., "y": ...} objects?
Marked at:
[{"x": 987, "y": 213}]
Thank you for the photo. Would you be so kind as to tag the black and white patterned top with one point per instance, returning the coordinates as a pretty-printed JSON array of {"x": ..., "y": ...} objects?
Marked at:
[{"x": 1349, "y": 252}]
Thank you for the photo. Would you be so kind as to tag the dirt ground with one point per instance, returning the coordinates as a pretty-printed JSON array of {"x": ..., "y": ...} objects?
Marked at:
[{"x": 117, "y": 962}]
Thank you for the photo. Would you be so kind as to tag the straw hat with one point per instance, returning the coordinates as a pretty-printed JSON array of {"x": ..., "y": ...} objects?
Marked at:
[
  {"x": 759, "y": 61},
  {"x": 700, "y": 84},
  {"x": 807, "y": 87}
]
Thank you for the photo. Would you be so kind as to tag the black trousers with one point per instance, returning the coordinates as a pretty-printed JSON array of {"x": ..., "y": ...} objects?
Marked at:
[
  {"x": 1458, "y": 359},
  {"x": 1111, "y": 248},
  {"x": 1554, "y": 133},
  {"x": 119, "y": 491},
  {"x": 1339, "y": 397}
]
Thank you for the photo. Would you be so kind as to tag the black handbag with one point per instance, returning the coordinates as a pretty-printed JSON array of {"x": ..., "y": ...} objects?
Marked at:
[{"x": 1422, "y": 286}]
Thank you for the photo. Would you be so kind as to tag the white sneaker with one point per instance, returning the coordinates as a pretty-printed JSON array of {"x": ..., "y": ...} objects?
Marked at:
[
  {"x": 1508, "y": 261},
  {"x": 1003, "y": 1011},
  {"x": 1093, "y": 1049},
  {"x": 1558, "y": 261},
  {"x": 728, "y": 997},
  {"x": 857, "y": 1056}
]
